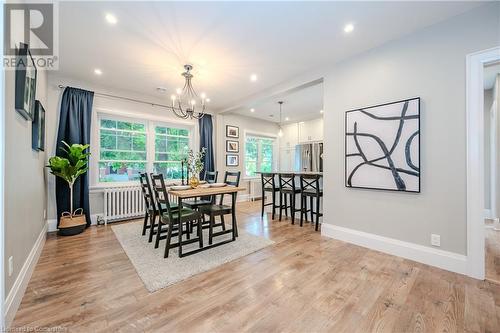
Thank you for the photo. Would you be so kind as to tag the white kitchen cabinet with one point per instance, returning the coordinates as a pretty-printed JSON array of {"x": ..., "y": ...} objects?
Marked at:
[
  {"x": 290, "y": 136},
  {"x": 311, "y": 130},
  {"x": 287, "y": 159}
]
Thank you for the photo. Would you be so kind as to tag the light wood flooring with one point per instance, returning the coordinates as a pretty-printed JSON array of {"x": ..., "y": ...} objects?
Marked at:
[
  {"x": 492, "y": 255},
  {"x": 303, "y": 283}
]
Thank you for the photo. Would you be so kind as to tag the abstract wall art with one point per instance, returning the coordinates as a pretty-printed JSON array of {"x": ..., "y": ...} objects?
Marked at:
[{"x": 382, "y": 147}]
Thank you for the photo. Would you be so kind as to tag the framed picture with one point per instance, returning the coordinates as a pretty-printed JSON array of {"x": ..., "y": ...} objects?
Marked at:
[
  {"x": 382, "y": 147},
  {"x": 38, "y": 127},
  {"x": 232, "y": 160},
  {"x": 25, "y": 82},
  {"x": 232, "y": 146},
  {"x": 232, "y": 131}
]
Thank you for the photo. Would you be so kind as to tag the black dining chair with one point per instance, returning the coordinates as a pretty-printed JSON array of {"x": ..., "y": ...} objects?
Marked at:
[
  {"x": 150, "y": 211},
  {"x": 269, "y": 185},
  {"x": 310, "y": 188},
  {"x": 287, "y": 187},
  {"x": 210, "y": 178},
  {"x": 169, "y": 218},
  {"x": 214, "y": 210}
]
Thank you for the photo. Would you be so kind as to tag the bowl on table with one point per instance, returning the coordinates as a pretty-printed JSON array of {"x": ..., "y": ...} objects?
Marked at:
[
  {"x": 218, "y": 184},
  {"x": 180, "y": 187}
]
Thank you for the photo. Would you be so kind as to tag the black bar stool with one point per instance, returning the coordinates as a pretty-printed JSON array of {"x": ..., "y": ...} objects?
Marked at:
[
  {"x": 269, "y": 185},
  {"x": 287, "y": 187},
  {"x": 309, "y": 186}
]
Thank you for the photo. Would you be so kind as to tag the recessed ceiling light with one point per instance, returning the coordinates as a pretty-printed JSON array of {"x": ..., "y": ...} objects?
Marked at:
[
  {"x": 97, "y": 71},
  {"x": 252, "y": 110},
  {"x": 287, "y": 119},
  {"x": 161, "y": 89},
  {"x": 321, "y": 111},
  {"x": 111, "y": 18},
  {"x": 349, "y": 27},
  {"x": 253, "y": 77}
]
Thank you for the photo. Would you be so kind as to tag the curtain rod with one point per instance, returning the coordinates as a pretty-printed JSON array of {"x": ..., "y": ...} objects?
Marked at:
[{"x": 126, "y": 98}]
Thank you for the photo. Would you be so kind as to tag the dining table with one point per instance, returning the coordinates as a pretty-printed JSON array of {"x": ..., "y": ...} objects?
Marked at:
[{"x": 208, "y": 191}]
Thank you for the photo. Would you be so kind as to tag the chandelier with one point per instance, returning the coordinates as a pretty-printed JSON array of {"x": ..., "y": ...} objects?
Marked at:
[{"x": 186, "y": 103}]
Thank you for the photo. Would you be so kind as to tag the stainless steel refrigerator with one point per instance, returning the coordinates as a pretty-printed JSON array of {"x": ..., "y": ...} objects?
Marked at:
[{"x": 309, "y": 157}]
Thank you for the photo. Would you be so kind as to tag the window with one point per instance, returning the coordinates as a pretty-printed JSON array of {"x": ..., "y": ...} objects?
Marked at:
[
  {"x": 122, "y": 150},
  {"x": 128, "y": 147},
  {"x": 258, "y": 154},
  {"x": 171, "y": 145}
]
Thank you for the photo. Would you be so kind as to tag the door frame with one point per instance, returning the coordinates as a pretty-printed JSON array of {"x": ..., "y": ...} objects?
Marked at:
[{"x": 475, "y": 63}]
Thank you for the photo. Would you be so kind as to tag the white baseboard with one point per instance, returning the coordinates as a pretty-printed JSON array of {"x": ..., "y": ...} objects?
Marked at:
[
  {"x": 16, "y": 293},
  {"x": 52, "y": 223},
  {"x": 427, "y": 255}
]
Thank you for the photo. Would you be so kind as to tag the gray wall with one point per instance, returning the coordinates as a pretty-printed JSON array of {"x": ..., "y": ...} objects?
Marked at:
[
  {"x": 24, "y": 181},
  {"x": 430, "y": 64},
  {"x": 245, "y": 124}
]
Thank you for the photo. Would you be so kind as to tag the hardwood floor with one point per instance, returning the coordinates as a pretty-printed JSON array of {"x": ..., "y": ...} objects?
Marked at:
[
  {"x": 303, "y": 283},
  {"x": 492, "y": 255}
]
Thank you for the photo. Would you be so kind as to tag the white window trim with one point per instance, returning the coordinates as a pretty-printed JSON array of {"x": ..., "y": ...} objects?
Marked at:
[
  {"x": 150, "y": 122},
  {"x": 247, "y": 133}
]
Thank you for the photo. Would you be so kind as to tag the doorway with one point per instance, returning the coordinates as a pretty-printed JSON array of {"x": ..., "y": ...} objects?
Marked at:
[
  {"x": 476, "y": 203},
  {"x": 491, "y": 99}
]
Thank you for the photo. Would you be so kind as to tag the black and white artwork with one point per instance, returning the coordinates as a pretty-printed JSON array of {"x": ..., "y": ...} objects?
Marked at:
[
  {"x": 26, "y": 74},
  {"x": 38, "y": 127},
  {"x": 232, "y": 160},
  {"x": 382, "y": 147},
  {"x": 232, "y": 131},
  {"x": 232, "y": 146}
]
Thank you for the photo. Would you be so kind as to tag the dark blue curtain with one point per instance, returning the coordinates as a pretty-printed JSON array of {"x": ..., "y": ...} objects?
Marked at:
[
  {"x": 206, "y": 140},
  {"x": 74, "y": 127}
]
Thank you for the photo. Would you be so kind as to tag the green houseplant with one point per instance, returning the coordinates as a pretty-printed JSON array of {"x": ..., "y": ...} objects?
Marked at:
[
  {"x": 70, "y": 168},
  {"x": 195, "y": 165}
]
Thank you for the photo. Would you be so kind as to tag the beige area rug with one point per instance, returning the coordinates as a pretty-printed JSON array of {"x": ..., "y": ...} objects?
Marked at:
[{"x": 157, "y": 272}]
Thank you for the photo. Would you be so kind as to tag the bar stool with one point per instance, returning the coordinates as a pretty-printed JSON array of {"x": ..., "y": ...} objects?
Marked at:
[
  {"x": 269, "y": 185},
  {"x": 309, "y": 186},
  {"x": 287, "y": 187}
]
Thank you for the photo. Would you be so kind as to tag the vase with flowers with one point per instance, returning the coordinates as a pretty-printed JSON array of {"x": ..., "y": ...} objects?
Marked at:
[{"x": 195, "y": 165}]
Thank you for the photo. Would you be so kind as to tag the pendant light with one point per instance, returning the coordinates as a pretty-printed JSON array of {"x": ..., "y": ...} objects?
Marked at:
[{"x": 280, "y": 133}]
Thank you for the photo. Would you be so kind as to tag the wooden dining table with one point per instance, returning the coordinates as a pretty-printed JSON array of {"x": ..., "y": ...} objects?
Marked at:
[{"x": 202, "y": 191}]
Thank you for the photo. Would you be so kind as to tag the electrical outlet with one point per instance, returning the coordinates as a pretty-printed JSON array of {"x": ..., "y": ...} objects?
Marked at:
[
  {"x": 11, "y": 265},
  {"x": 435, "y": 240}
]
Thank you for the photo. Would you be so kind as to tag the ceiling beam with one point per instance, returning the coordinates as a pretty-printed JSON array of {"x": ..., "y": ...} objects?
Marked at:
[{"x": 275, "y": 92}]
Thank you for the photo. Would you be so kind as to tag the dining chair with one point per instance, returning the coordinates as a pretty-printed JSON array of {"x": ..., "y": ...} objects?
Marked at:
[
  {"x": 170, "y": 219},
  {"x": 151, "y": 211},
  {"x": 210, "y": 178},
  {"x": 310, "y": 188},
  {"x": 268, "y": 185},
  {"x": 287, "y": 187},
  {"x": 231, "y": 178}
]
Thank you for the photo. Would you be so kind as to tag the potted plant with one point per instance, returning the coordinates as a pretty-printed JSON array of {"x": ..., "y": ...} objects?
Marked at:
[
  {"x": 70, "y": 168},
  {"x": 195, "y": 165}
]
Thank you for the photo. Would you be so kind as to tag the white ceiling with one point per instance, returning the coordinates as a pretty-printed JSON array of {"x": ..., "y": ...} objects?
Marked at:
[
  {"x": 300, "y": 105},
  {"x": 490, "y": 74},
  {"x": 227, "y": 41}
]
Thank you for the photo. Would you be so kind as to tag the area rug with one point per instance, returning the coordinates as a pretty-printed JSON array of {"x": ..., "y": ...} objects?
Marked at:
[{"x": 157, "y": 272}]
